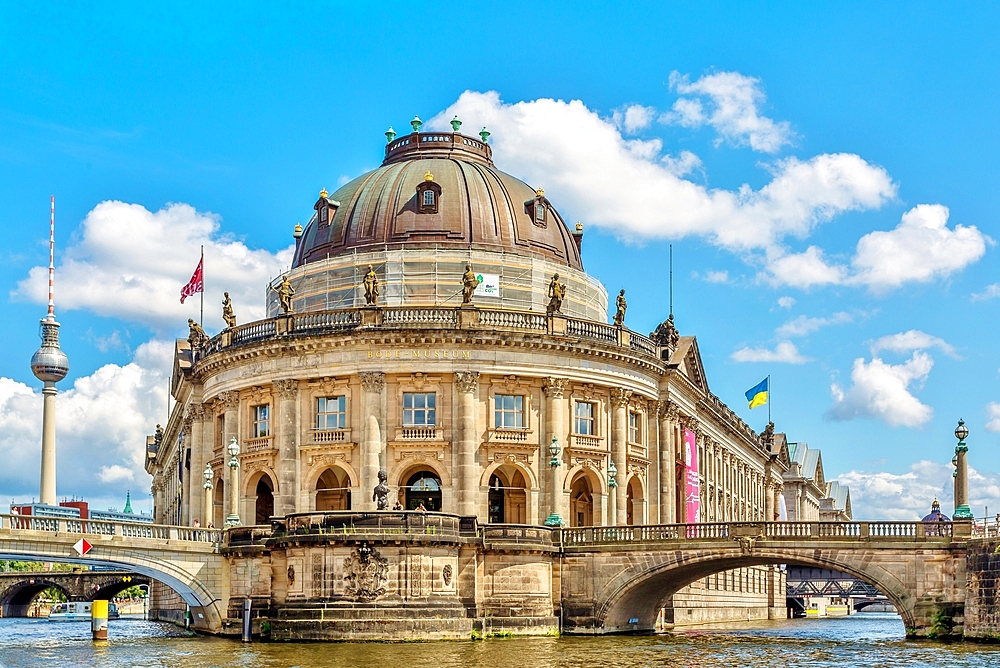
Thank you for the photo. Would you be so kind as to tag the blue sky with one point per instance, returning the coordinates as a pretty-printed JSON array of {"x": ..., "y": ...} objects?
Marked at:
[{"x": 797, "y": 156}]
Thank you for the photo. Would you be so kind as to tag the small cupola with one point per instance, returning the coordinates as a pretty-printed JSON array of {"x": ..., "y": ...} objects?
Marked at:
[
  {"x": 325, "y": 208},
  {"x": 428, "y": 195},
  {"x": 538, "y": 209}
]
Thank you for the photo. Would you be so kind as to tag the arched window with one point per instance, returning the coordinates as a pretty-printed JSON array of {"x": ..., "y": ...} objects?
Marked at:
[
  {"x": 428, "y": 197},
  {"x": 423, "y": 489}
]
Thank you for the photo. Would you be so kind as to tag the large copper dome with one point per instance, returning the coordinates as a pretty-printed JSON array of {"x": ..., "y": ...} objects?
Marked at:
[{"x": 476, "y": 206}]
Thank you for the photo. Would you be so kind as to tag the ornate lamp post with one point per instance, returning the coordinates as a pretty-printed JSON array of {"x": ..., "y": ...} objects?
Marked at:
[
  {"x": 233, "y": 518},
  {"x": 554, "y": 519},
  {"x": 207, "y": 505},
  {"x": 962, "y": 511}
]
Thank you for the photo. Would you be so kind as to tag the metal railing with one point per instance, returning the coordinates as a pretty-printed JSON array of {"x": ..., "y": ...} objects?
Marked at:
[{"x": 139, "y": 530}]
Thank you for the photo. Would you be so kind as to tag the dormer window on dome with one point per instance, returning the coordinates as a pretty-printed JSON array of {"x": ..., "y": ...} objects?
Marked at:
[
  {"x": 537, "y": 208},
  {"x": 428, "y": 195},
  {"x": 325, "y": 208}
]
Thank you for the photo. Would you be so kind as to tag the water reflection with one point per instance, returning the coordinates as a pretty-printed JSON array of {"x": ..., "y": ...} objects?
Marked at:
[{"x": 870, "y": 639}]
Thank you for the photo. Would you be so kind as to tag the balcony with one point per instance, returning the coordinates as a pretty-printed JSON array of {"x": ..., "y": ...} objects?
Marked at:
[
  {"x": 420, "y": 434},
  {"x": 518, "y": 436},
  {"x": 581, "y": 442},
  {"x": 324, "y": 436},
  {"x": 260, "y": 444}
]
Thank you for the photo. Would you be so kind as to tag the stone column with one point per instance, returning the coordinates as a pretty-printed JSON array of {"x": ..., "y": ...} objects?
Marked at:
[
  {"x": 619, "y": 454},
  {"x": 467, "y": 442},
  {"x": 231, "y": 420},
  {"x": 373, "y": 387},
  {"x": 233, "y": 518},
  {"x": 667, "y": 416},
  {"x": 287, "y": 444},
  {"x": 555, "y": 427}
]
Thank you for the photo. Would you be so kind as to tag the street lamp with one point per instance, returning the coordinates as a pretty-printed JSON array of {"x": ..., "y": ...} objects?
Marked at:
[
  {"x": 962, "y": 510},
  {"x": 233, "y": 518},
  {"x": 612, "y": 473},
  {"x": 554, "y": 519}
]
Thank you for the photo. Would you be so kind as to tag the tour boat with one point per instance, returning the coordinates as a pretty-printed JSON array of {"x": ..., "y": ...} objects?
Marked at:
[{"x": 70, "y": 612}]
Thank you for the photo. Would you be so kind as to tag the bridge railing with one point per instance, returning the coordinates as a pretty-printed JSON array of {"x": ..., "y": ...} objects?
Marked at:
[
  {"x": 137, "y": 530},
  {"x": 757, "y": 530}
]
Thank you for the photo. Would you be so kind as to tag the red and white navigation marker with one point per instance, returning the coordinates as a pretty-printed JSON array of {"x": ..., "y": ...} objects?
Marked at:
[{"x": 82, "y": 546}]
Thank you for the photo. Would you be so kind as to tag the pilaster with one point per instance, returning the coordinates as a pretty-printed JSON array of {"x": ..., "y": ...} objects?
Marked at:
[
  {"x": 467, "y": 442},
  {"x": 288, "y": 445}
]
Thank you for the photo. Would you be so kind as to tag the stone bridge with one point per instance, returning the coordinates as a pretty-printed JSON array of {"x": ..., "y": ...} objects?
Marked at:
[
  {"x": 617, "y": 578},
  {"x": 406, "y": 575},
  {"x": 186, "y": 560},
  {"x": 18, "y": 590}
]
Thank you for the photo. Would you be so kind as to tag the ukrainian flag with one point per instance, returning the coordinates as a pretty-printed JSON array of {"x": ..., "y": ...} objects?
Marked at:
[{"x": 757, "y": 396}]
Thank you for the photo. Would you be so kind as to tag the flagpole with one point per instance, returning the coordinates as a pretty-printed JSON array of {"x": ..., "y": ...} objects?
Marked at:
[
  {"x": 769, "y": 398},
  {"x": 202, "y": 264}
]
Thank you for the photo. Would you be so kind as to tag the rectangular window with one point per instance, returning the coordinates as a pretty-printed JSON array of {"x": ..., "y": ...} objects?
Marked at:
[
  {"x": 220, "y": 431},
  {"x": 428, "y": 197},
  {"x": 331, "y": 413},
  {"x": 508, "y": 411},
  {"x": 583, "y": 418},
  {"x": 419, "y": 409},
  {"x": 634, "y": 428},
  {"x": 261, "y": 421}
]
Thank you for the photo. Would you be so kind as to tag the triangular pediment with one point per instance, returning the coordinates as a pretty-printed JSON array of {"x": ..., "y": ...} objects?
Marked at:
[{"x": 687, "y": 360}]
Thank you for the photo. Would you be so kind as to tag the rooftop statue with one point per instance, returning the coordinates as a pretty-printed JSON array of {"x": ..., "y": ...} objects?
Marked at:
[
  {"x": 227, "y": 312},
  {"x": 469, "y": 284},
  {"x": 371, "y": 287},
  {"x": 285, "y": 294},
  {"x": 622, "y": 307},
  {"x": 196, "y": 335},
  {"x": 557, "y": 292},
  {"x": 665, "y": 333}
]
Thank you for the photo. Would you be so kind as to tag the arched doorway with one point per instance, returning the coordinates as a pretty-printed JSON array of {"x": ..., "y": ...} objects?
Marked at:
[
  {"x": 219, "y": 505},
  {"x": 264, "y": 504},
  {"x": 508, "y": 498},
  {"x": 634, "y": 502},
  {"x": 333, "y": 490},
  {"x": 581, "y": 501},
  {"x": 423, "y": 488}
]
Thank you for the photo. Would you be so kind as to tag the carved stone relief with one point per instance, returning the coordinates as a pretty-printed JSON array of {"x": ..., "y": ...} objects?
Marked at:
[
  {"x": 372, "y": 381},
  {"x": 365, "y": 573},
  {"x": 466, "y": 381}
]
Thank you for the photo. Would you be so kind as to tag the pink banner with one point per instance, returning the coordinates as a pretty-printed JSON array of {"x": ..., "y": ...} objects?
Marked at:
[{"x": 692, "y": 496}]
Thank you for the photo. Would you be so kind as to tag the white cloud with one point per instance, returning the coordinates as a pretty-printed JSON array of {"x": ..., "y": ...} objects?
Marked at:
[
  {"x": 634, "y": 117},
  {"x": 802, "y": 325},
  {"x": 921, "y": 248},
  {"x": 566, "y": 148},
  {"x": 728, "y": 101},
  {"x": 101, "y": 427},
  {"x": 131, "y": 263},
  {"x": 914, "y": 339},
  {"x": 992, "y": 291},
  {"x": 786, "y": 302},
  {"x": 882, "y": 391},
  {"x": 784, "y": 353},
  {"x": 993, "y": 417},
  {"x": 717, "y": 276},
  {"x": 684, "y": 164},
  {"x": 803, "y": 270},
  {"x": 908, "y": 496}
]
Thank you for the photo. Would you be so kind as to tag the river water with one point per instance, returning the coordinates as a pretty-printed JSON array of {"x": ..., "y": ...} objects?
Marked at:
[{"x": 867, "y": 639}]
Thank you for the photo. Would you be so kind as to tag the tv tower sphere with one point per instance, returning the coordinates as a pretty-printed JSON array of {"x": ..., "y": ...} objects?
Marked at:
[{"x": 49, "y": 363}]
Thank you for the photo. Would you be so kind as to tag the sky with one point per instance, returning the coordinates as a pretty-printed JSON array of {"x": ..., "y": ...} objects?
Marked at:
[{"x": 826, "y": 173}]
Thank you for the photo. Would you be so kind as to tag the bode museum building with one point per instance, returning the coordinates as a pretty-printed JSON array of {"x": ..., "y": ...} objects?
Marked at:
[{"x": 437, "y": 325}]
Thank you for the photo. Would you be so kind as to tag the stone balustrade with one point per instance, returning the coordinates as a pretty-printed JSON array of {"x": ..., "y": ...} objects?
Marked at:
[{"x": 138, "y": 530}]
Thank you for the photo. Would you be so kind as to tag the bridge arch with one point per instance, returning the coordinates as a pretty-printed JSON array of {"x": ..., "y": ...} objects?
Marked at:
[
  {"x": 16, "y": 600},
  {"x": 640, "y": 590}
]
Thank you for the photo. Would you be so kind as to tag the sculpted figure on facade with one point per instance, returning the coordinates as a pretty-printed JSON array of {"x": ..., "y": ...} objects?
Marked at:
[
  {"x": 380, "y": 495},
  {"x": 469, "y": 284},
  {"x": 371, "y": 287},
  {"x": 285, "y": 294},
  {"x": 196, "y": 335},
  {"x": 557, "y": 292},
  {"x": 621, "y": 306},
  {"x": 227, "y": 311},
  {"x": 666, "y": 334}
]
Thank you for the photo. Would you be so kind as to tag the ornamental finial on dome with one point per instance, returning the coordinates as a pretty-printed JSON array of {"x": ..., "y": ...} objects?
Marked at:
[
  {"x": 428, "y": 176},
  {"x": 539, "y": 193},
  {"x": 579, "y": 226},
  {"x": 390, "y": 134},
  {"x": 323, "y": 193},
  {"x": 484, "y": 134},
  {"x": 416, "y": 123},
  {"x": 455, "y": 124}
]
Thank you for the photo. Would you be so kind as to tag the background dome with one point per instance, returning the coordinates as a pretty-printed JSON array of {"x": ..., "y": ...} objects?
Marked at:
[{"x": 479, "y": 207}]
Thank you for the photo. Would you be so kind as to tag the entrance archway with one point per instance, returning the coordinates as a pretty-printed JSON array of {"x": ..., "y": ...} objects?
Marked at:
[
  {"x": 219, "y": 505},
  {"x": 634, "y": 502},
  {"x": 581, "y": 501},
  {"x": 333, "y": 490},
  {"x": 508, "y": 497},
  {"x": 264, "y": 503},
  {"x": 423, "y": 488}
]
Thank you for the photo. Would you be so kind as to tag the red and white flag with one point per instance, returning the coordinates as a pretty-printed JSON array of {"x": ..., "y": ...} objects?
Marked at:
[{"x": 196, "y": 284}]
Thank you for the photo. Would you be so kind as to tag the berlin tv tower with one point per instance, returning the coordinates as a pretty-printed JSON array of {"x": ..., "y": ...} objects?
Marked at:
[{"x": 50, "y": 365}]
